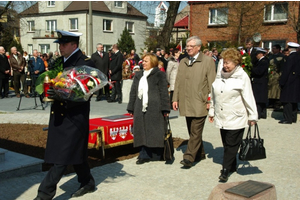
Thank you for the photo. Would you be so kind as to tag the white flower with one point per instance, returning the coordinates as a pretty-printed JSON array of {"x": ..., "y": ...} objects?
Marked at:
[
  {"x": 90, "y": 84},
  {"x": 94, "y": 73}
]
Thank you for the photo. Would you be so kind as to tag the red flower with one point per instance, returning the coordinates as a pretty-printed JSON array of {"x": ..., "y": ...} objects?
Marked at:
[{"x": 243, "y": 66}]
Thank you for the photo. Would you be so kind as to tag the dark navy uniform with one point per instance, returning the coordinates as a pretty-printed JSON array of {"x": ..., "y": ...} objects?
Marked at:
[
  {"x": 68, "y": 136},
  {"x": 259, "y": 77},
  {"x": 290, "y": 86}
]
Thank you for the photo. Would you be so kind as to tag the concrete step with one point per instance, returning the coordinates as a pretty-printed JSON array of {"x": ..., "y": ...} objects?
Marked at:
[
  {"x": 2, "y": 155},
  {"x": 16, "y": 164}
]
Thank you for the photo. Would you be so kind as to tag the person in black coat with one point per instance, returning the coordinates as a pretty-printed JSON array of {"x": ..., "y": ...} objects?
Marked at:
[
  {"x": 68, "y": 131},
  {"x": 101, "y": 60},
  {"x": 115, "y": 71},
  {"x": 251, "y": 50},
  {"x": 290, "y": 85},
  {"x": 259, "y": 80},
  {"x": 4, "y": 73},
  {"x": 149, "y": 103}
]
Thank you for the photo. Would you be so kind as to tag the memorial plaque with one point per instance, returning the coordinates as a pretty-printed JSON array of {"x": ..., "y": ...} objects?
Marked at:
[{"x": 249, "y": 188}]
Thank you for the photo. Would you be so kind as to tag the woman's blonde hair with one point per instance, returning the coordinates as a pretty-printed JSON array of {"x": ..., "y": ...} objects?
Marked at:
[
  {"x": 153, "y": 59},
  {"x": 233, "y": 55},
  {"x": 160, "y": 63}
]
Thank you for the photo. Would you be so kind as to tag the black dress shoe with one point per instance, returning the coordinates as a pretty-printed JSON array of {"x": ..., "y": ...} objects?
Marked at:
[
  {"x": 111, "y": 101},
  {"x": 83, "y": 190},
  {"x": 224, "y": 175},
  {"x": 284, "y": 122},
  {"x": 37, "y": 198},
  {"x": 186, "y": 163},
  {"x": 142, "y": 161}
]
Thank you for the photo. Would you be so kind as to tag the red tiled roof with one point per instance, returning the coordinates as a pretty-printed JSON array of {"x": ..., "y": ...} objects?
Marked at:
[
  {"x": 98, "y": 6},
  {"x": 183, "y": 23},
  {"x": 84, "y": 5}
]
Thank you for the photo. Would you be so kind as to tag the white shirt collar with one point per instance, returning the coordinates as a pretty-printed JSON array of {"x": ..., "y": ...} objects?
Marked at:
[{"x": 65, "y": 59}]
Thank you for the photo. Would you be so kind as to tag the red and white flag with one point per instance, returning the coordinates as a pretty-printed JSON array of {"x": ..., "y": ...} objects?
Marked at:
[{"x": 179, "y": 46}]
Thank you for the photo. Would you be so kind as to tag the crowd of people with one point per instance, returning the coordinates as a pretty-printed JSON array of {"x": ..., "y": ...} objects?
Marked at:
[
  {"x": 22, "y": 71},
  {"x": 198, "y": 83}
]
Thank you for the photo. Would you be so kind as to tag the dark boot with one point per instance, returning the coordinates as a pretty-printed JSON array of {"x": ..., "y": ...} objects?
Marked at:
[{"x": 224, "y": 175}]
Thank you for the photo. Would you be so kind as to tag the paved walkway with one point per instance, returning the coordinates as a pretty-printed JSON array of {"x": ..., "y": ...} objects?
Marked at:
[{"x": 158, "y": 180}]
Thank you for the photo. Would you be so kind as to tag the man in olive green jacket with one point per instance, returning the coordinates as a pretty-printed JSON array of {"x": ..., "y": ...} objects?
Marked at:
[{"x": 195, "y": 76}]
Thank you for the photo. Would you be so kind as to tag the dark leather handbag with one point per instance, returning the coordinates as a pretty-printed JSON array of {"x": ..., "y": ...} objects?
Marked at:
[
  {"x": 252, "y": 148},
  {"x": 168, "y": 143}
]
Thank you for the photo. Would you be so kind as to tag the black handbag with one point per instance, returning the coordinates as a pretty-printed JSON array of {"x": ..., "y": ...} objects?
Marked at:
[
  {"x": 252, "y": 148},
  {"x": 168, "y": 143}
]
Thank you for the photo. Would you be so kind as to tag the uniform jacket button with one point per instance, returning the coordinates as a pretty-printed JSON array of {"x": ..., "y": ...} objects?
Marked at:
[
  {"x": 52, "y": 112},
  {"x": 62, "y": 114}
]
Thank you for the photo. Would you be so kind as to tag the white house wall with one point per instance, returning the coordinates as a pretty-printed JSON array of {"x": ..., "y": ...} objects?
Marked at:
[{"x": 119, "y": 23}]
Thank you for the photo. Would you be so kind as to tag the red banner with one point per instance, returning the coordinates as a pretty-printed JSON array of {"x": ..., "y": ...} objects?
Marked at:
[{"x": 115, "y": 131}]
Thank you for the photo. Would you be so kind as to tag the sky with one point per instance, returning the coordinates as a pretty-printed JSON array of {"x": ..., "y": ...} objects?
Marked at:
[{"x": 146, "y": 7}]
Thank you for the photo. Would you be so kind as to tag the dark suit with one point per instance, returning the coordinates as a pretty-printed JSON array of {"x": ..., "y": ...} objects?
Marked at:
[
  {"x": 290, "y": 86},
  {"x": 259, "y": 77},
  {"x": 252, "y": 55},
  {"x": 4, "y": 78},
  {"x": 19, "y": 76},
  {"x": 67, "y": 137},
  {"x": 102, "y": 63},
  {"x": 116, "y": 75}
]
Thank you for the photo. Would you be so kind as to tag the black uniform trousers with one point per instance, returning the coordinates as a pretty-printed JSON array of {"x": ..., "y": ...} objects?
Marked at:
[
  {"x": 261, "y": 110},
  {"x": 231, "y": 140},
  {"x": 117, "y": 91},
  {"x": 103, "y": 92},
  {"x": 4, "y": 83},
  {"x": 195, "y": 148},
  {"x": 47, "y": 188},
  {"x": 290, "y": 112}
]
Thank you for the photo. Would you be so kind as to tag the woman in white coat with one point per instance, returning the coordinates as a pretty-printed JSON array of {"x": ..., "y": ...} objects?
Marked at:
[
  {"x": 232, "y": 107},
  {"x": 172, "y": 72}
]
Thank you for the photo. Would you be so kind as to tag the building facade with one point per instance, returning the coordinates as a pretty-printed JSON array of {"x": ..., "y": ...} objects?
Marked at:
[
  {"x": 109, "y": 18},
  {"x": 224, "y": 23}
]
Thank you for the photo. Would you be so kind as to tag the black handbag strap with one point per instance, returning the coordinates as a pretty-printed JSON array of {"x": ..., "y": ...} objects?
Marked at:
[
  {"x": 256, "y": 130},
  {"x": 168, "y": 126}
]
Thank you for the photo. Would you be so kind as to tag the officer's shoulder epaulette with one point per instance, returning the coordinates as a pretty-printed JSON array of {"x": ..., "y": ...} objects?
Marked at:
[{"x": 87, "y": 59}]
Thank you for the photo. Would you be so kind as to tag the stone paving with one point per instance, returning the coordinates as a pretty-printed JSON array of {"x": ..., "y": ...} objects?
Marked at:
[{"x": 160, "y": 180}]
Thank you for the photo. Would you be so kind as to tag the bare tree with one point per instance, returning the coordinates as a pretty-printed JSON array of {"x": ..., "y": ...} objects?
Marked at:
[
  {"x": 164, "y": 37},
  {"x": 294, "y": 17}
]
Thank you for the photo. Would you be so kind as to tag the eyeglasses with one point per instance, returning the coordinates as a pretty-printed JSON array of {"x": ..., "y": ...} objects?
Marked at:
[{"x": 192, "y": 46}]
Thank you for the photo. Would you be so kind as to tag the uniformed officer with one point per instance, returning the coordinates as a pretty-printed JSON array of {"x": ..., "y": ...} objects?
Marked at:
[
  {"x": 259, "y": 81},
  {"x": 68, "y": 128},
  {"x": 290, "y": 85}
]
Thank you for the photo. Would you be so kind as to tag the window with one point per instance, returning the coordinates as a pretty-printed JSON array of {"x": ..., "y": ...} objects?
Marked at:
[
  {"x": 119, "y": 4},
  {"x": 29, "y": 49},
  {"x": 107, "y": 25},
  {"x": 45, "y": 48},
  {"x": 276, "y": 12},
  {"x": 269, "y": 44},
  {"x": 51, "y": 25},
  {"x": 106, "y": 47},
  {"x": 73, "y": 24},
  {"x": 31, "y": 26},
  {"x": 130, "y": 27},
  {"x": 218, "y": 16},
  {"x": 50, "y": 3}
]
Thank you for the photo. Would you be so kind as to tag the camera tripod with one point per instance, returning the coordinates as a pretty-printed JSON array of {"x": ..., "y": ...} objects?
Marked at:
[{"x": 35, "y": 94}]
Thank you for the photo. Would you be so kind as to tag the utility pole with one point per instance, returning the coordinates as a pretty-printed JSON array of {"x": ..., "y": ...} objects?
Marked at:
[{"x": 90, "y": 37}]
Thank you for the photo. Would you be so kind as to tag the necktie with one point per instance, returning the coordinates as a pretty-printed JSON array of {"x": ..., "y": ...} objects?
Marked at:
[{"x": 191, "y": 60}]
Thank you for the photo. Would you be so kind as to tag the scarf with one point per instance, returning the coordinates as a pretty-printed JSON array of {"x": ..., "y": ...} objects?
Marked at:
[
  {"x": 227, "y": 74},
  {"x": 143, "y": 89}
]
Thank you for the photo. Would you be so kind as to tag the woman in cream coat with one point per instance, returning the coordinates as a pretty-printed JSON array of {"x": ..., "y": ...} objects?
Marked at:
[{"x": 232, "y": 108}]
